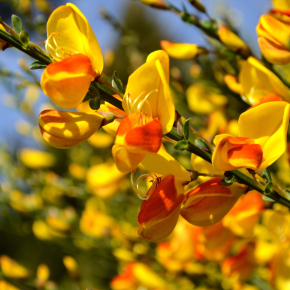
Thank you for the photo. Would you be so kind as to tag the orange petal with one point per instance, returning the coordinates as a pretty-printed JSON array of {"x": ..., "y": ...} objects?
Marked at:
[
  {"x": 208, "y": 203},
  {"x": 125, "y": 280},
  {"x": 159, "y": 214},
  {"x": 246, "y": 156},
  {"x": 67, "y": 82}
]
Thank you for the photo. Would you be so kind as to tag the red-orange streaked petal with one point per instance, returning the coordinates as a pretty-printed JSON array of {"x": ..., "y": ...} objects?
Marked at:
[
  {"x": 146, "y": 138},
  {"x": 125, "y": 280},
  {"x": 247, "y": 156},
  {"x": 159, "y": 214},
  {"x": 240, "y": 140},
  {"x": 66, "y": 82},
  {"x": 208, "y": 203},
  {"x": 268, "y": 98}
]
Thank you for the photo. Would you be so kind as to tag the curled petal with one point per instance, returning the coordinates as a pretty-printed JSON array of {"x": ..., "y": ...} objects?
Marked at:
[
  {"x": 159, "y": 214},
  {"x": 208, "y": 203},
  {"x": 233, "y": 84},
  {"x": 67, "y": 82},
  {"x": 75, "y": 33},
  {"x": 67, "y": 129}
]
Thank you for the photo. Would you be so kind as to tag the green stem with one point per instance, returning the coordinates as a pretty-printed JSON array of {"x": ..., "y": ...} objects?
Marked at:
[{"x": 31, "y": 51}]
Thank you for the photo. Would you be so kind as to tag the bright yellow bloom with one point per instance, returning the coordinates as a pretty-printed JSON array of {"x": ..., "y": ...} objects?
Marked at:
[
  {"x": 281, "y": 4},
  {"x": 264, "y": 135},
  {"x": 151, "y": 112},
  {"x": 274, "y": 36},
  {"x": 72, "y": 43},
  {"x": 232, "y": 41},
  {"x": 12, "y": 269},
  {"x": 181, "y": 51},
  {"x": 257, "y": 81},
  {"x": 63, "y": 129}
]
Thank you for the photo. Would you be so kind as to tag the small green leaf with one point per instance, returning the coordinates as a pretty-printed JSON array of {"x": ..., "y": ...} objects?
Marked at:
[
  {"x": 37, "y": 65},
  {"x": 266, "y": 174},
  {"x": 268, "y": 189},
  {"x": 24, "y": 38},
  {"x": 88, "y": 96},
  {"x": 117, "y": 83},
  {"x": 95, "y": 103},
  {"x": 94, "y": 89},
  {"x": 186, "y": 129},
  {"x": 181, "y": 145},
  {"x": 202, "y": 145},
  {"x": 16, "y": 23},
  {"x": 266, "y": 198}
]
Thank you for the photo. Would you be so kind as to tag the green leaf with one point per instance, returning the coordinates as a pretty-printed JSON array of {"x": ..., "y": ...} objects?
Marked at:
[
  {"x": 24, "y": 38},
  {"x": 268, "y": 188},
  {"x": 37, "y": 65},
  {"x": 186, "y": 129},
  {"x": 117, "y": 83},
  {"x": 95, "y": 103},
  {"x": 266, "y": 198},
  {"x": 16, "y": 23},
  {"x": 266, "y": 174},
  {"x": 202, "y": 145},
  {"x": 94, "y": 89},
  {"x": 88, "y": 96},
  {"x": 181, "y": 145}
]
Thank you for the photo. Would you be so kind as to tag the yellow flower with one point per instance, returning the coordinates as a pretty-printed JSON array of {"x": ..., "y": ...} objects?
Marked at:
[
  {"x": 35, "y": 159},
  {"x": 73, "y": 44},
  {"x": 12, "y": 269},
  {"x": 264, "y": 135},
  {"x": 281, "y": 4},
  {"x": 274, "y": 36},
  {"x": 151, "y": 113},
  {"x": 257, "y": 81}
]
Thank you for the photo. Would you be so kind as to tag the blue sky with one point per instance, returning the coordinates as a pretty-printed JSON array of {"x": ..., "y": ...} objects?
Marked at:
[{"x": 245, "y": 13}]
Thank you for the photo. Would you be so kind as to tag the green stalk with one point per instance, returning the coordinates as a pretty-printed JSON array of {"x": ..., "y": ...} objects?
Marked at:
[{"x": 31, "y": 51}]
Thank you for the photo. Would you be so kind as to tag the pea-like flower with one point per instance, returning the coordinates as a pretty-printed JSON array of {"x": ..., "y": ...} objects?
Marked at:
[
  {"x": 274, "y": 36},
  {"x": 73, "y": 45},
  {"x": 263, "y": 131}
]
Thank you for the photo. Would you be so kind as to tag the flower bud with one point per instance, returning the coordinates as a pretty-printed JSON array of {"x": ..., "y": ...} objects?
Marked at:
[
  {"x": 183, "y": 51},
  {"x": 67, "y": 129},
  {"x": 232, "y": 41},
  {"x": 208, "y": 203},
  {"x": 159, "y": 214},
  {"x": 198, "y": 5},
  {"x": 159, "y": 4}
]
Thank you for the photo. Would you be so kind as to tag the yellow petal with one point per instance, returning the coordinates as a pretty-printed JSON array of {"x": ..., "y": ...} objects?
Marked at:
[
  {"x": 33, "y": 158},
  {"x": 267, "y": 124},
  {"x": 281, "y": 4},
  {"x": 163, "y": 163},
  {"x": 76, "y": 35}
]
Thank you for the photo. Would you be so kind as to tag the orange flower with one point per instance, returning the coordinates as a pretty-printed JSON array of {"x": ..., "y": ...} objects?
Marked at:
[
  {"x": 209, "y": 202},
  {"x": 159, "y": 214}
]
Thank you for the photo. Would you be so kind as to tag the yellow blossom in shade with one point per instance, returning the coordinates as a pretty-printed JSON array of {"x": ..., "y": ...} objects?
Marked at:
[
  {"x": 42, "y": 275},
  {"x": 7, "y": 286},
  {"x": 101, "y": 140},
  {"x": 104, "y": 179},
  {"x": 202, "y": 101},
  {"x": 259, "y": 146},
  {"x": 25, "y": 203},
  {"x": 183, "y": 51},
  {"x": 36, "y": 159},
  {"x": 93, "y": 222},
  {"x": 257, "y": 81},
  {"x": 12, "y": 269},
  {"x": 72, "y": 267},
  {"x": 42, "y": 5},
  {"x": 63, "y": 129},
  {"x": 77, "y": 171},
  {"x": 72, "y": 43},
  {"x": 42, "y": 231},
  {"x": 281, "y": 4},
  {"x": 232, "y": 41}
]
